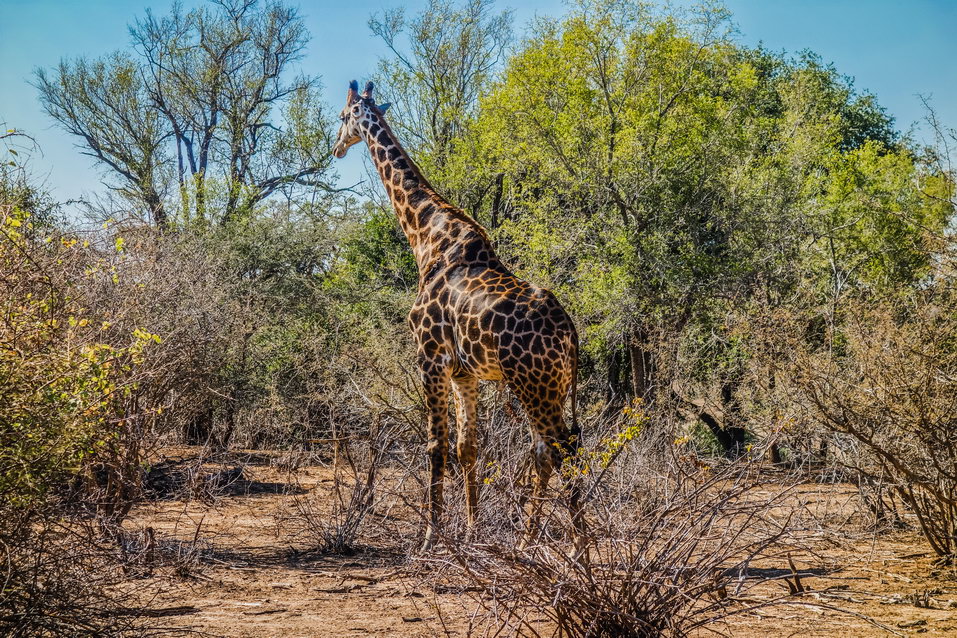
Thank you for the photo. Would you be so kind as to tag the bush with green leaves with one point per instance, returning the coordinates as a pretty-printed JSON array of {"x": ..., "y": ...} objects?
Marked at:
[{"x": 62, "y": 373}]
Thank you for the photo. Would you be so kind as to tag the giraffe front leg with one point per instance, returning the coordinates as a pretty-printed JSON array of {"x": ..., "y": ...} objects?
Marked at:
[
  {"x": 435, "y": 381},
  {"x": 548, "y": 455},
  {"x": 466, "y": 409},
  {"x": 551, "y": 447}
]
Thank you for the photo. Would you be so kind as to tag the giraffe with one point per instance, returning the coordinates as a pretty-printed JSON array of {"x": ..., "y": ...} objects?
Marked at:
[{"x": 472, "y": 320}]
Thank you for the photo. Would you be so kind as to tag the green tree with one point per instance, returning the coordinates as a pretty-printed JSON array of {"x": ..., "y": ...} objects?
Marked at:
[{"x": 659, "y": 175}]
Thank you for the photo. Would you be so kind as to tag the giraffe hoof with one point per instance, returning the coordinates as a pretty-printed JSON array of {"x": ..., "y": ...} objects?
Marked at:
[
  {"x": 523, "y": 543},
  {"x": 429, "y": 543}
]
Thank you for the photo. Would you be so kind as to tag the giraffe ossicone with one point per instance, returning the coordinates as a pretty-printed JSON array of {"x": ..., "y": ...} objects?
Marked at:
[{"x": 472, "y": 320}]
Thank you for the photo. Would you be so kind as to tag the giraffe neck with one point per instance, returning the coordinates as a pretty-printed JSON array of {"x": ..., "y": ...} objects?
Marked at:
[{"x": 437, "y": 231}]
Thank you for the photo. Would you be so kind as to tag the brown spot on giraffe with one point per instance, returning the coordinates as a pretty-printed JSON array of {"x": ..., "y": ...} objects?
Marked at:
[{"x": 472, "y": 319}]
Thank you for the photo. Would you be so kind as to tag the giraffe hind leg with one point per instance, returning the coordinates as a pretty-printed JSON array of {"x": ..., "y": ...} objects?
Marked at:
[
  {"x": 545, "y": 423},
  {"x": 553, "y": 448},
  {"x": 466, "y": 409}
]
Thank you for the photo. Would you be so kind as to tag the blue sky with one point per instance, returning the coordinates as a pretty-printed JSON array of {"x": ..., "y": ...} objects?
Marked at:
[{"x": 894, "y": 49}]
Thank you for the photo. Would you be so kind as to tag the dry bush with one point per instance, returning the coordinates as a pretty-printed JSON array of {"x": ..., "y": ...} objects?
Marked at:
[
  {"x": 60, "y": 580},
  {"x": 142, "y": 552},
  {"x": 259, "y": 349},
  {"x": 887, "y": 386},
  {"x": 332, "y": 522},
  {"x": 205, "y": 475},
  {"x": 673, "y": 543}
]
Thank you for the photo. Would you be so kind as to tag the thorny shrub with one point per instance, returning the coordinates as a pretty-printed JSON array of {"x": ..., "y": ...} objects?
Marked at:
[
  {"x": 670, "y": 539},
  {"x": 60, "y": 579},
  {"x": 888, "y": 386}
]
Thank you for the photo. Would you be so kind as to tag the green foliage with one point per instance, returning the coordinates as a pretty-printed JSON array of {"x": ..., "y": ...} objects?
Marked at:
[
  {"x": 60, "y": 379},
  {"x": 618, "y": 131},
  {"x": 704, "y": 440},
  {"x": 662, "y": 178},
  {"x": 657, "y": 174},
  {"x": 878, "y": 212},
  {"x": 377, "y": 251}
]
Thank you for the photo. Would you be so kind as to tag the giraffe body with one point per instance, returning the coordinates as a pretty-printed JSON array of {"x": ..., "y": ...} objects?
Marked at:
[{"x": 472, "y": 319}]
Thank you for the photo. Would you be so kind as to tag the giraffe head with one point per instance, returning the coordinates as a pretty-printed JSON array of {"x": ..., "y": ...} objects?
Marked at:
[{"x": 359, "y": 109}]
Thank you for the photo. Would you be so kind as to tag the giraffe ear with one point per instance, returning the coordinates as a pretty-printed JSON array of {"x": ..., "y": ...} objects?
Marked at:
[
  {"x": 383, "y": 107},
  {"x": 367, "y": 94},
  {"x": 353, "y": 93}
]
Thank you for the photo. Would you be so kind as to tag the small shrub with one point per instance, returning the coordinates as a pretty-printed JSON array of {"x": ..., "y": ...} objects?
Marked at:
[{"x": 337, "y": 530}]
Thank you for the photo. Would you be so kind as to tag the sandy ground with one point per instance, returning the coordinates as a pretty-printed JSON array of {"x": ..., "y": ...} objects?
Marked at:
[{"x": 241, "y": 571}]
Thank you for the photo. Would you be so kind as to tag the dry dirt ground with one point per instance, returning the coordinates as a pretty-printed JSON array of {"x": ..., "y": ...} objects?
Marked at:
[{"x": 238, "y": 570}]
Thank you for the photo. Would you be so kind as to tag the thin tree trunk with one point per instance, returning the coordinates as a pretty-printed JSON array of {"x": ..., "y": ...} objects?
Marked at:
[
  {"x": 200, "y": 186},
  {"x": 181, "y": 175},
  {"x": 497, "y": 200},
  {"x": 156, "y": 208},
  {"x": 617, "y": 380},
  {"x": 735, "y": 434},
  {"x": 642, "y": 362}
]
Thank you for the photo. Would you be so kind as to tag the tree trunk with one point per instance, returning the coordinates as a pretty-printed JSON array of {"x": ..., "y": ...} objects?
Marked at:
[
  {"x": 642, "y": 362},
  {"x": 617, "y": 380},
  {"x": 735, "y": 435},
  {"x": 157, "y": 210},
  {"x": 200, "y": 186},
  {"x": 497, "y": 200},
  {"x": 723, "y": 436},
  {"x": 199, "y": 429}
]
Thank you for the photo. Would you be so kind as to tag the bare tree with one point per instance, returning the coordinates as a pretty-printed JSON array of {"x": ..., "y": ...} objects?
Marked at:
[
  {"x": 106, "y": 104},
  {"x": 210, "y": 87},
  {"x": 441, "y": 62}
]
